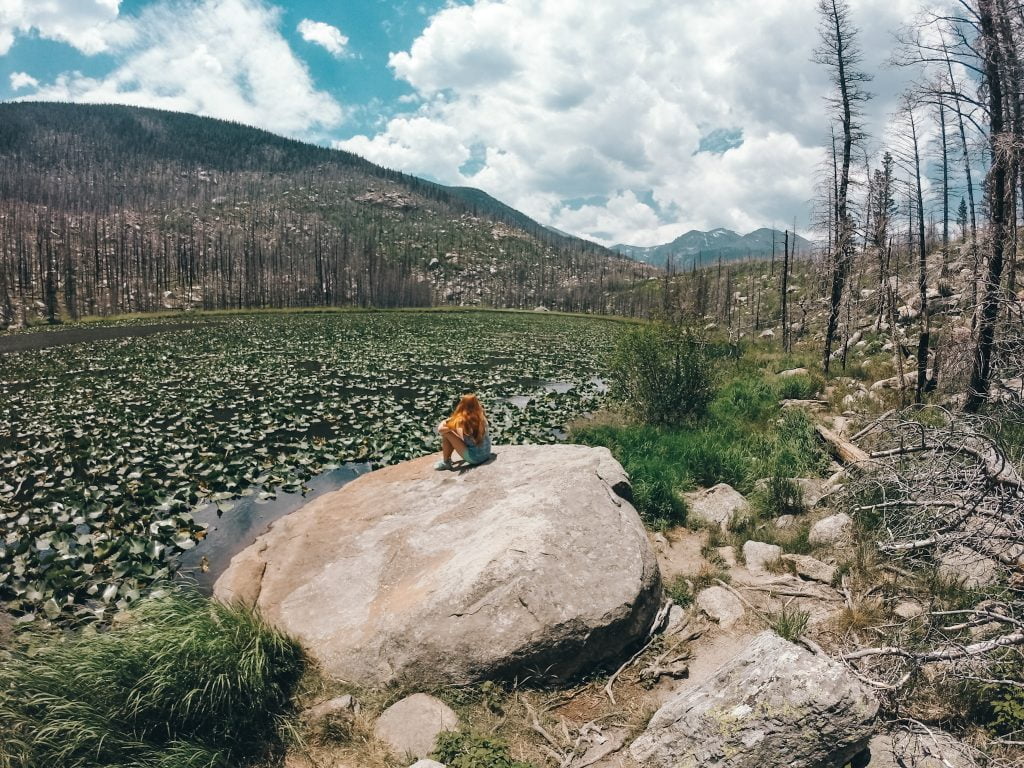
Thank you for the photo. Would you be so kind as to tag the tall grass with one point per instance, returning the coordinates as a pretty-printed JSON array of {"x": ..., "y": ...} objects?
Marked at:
[
  {"x": 185, "y": 683},
  {"x": 744, "y": 435}
]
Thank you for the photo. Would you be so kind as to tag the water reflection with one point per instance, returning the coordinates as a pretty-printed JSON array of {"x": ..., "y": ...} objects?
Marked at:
[{"x": 249, "y": 518}]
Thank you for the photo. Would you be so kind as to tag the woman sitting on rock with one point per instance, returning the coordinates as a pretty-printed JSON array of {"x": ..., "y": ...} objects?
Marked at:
[{"x": 465, "y": 432}]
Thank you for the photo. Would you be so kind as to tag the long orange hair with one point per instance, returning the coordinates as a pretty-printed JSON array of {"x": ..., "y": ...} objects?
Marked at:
[{"x": 469, "y": 417}]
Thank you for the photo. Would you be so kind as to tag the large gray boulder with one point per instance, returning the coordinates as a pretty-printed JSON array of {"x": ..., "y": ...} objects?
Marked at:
[
  {"x": 533, "y": 564},
  {"x": 774, "y": 704}
]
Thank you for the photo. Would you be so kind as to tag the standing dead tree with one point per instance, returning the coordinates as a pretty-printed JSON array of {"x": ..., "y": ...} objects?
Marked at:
[{"x": 840, "y": 53}]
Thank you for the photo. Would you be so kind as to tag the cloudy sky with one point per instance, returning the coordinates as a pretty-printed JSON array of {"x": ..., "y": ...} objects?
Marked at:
[{"x": 622, "y": 122}]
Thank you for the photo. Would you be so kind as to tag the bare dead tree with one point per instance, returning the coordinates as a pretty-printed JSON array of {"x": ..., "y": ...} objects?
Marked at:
[{"x": 840, "y": 53}]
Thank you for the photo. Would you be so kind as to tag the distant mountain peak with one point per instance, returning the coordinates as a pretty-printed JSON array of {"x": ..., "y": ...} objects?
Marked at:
[{"x": 704, "y": 247}]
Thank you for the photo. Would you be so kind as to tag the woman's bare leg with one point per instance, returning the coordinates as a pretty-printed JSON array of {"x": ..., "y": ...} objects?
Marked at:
[{"x": 452, "y": 442}]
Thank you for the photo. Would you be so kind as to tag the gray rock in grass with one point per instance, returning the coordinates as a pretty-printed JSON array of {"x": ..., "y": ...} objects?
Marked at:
[
  {"x": 758, "y": 555},
  {"x": 834, "y": 529},
  {"x": 718, "y": 506},
  {"x": 411, "y": 726},
  {"x": 721, "y": 605}
]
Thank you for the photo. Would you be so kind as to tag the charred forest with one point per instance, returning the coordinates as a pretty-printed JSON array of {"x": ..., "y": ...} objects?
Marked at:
[{"x": 110, "y": 210}]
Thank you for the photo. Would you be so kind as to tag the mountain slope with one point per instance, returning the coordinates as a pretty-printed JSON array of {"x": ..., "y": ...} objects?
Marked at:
[
  {"x": 707, "y": 247},
  {"x": 109, "y": 209}
]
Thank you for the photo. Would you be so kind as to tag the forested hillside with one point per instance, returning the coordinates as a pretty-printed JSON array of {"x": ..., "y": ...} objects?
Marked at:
[{"x": 113, "y": 209}]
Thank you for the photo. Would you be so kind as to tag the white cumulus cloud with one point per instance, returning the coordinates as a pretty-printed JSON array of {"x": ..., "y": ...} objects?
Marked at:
[
  {"x": 219, "y": 58},
  {"x": 91, "y": 26},
  {"x": 21, "y": 80},
  {"x": 326, "y": 36},
  {"x": 589, "y": 114}
]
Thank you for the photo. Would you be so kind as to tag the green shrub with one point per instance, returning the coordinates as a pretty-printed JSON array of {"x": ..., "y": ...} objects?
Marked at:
[
  {"x": 185, "y": 682},
  {"x": 464, "y": 749},
  {"x": 680, "y": 589},
  {"x": 800, "y": 387},
  {"x": 1007, "y": 709},
  {"x": 789, "y": 623},
  {"x": 662, "y": 373},
  {"x": 781, "y": 496}
]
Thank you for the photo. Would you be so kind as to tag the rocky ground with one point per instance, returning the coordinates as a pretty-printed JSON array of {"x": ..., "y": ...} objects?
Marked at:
[{"x": 525, "y": 571}]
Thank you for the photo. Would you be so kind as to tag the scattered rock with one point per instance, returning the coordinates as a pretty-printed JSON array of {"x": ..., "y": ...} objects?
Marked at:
[
  {"x": 758, "y": 554},
  {"x": 967, "y": 568},
  {"x": 719, "y": 505},
  {"x": 774, "y": 704},
  {"x": 411, "y": 726},
  {"x": 531, "y": 561},
  {"x": 908, "y": 609},
  {"x": 728, "y": 555},
  {"x": 541, "y": 309},
  {"x": 677, "y": 617},
  {"x": 833, "y": 529},
  {"x": 936, "y": 749},
  {"x": 427, "y": 764},
  {"x": 784, "y": 522},
  {"x": 721, "y": 605},
  {"x": 811, "y": 568},
  {"x": 340, "y": 708},
  {"x": 793, "y": 372},
  {"x": 768, "y": 333},
  {"x": 909, "y": 380}
]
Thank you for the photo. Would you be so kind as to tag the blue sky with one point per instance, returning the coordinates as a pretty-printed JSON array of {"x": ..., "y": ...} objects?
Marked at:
[{"x": 622, "y": 122}]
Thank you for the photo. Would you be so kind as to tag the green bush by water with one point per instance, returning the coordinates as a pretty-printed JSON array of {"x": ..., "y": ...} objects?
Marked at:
[
  {"x": 662, "y": 373},
  {"x": 185, "y": 683}
]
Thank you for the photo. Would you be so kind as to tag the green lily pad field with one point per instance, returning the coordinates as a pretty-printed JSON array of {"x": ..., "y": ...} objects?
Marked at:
[{"x": 108, "y": 447}]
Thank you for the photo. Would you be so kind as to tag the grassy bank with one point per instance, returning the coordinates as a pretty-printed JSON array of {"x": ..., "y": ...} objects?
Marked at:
[
  {"x": 743, "y": 435},
  {"x": 183, "y": 682}
]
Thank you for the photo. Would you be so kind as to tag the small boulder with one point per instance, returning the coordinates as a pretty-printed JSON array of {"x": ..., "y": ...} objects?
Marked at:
[
  {"x": 793, "y": 372},
  {"x": 834, "y": 529},
  {"x": 774, "y": 704},
  {"x": 719, "y": 505},
  {"x": 935, "y": 749},
  {"x": 784, "y": 522},
  {"x": 811, "y": 568},
  {"x": 768, "y": 333},
  {"x": 908, "y": 609},
  {"x": 340, "y": 706},
  {"x": 427, "y": 764},
  {"x": 968, "y": 568},
  {"x": 721, "y": 605},
  {"x": 411, "y": 726},
  {"x": 758, "y": 554},
  {"x": 728, "y": 555}
]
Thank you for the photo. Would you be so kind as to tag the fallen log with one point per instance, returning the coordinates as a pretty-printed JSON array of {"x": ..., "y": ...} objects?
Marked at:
[{"x": 843, "y": 449}]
